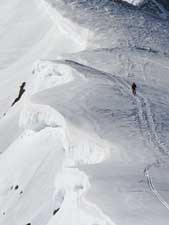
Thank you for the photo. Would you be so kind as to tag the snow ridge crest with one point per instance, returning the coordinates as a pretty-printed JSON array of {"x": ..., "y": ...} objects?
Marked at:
[{"x": 71, "y": 184}]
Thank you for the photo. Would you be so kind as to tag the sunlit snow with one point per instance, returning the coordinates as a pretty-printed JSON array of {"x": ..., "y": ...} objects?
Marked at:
[{"x": 77, "y": 147}]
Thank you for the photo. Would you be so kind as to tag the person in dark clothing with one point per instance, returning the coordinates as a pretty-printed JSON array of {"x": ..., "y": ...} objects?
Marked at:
[
  {"x": 133, "y": 87},
  {"x": 21, "y": 91}
]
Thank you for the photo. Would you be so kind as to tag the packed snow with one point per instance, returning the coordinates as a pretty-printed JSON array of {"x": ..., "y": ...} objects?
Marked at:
[{"x": 78, "y": 147}]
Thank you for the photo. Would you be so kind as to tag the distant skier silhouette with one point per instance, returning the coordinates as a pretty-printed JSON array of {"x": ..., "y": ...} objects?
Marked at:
[
  {"x": 21, "y": 91},
  {"x": 133, "y": 87}
]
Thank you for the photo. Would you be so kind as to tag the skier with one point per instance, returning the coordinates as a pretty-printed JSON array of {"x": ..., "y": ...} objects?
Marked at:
[
  {"x": 21, "y": 91},
  {"x": 133, "y": 87}
]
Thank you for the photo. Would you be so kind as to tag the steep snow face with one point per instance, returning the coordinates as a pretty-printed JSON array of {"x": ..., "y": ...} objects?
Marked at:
[{"x": 34, "y": 153}]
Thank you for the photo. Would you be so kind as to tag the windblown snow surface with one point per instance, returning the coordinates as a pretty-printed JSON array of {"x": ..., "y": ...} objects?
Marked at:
[{"x": 78, "y": 148}]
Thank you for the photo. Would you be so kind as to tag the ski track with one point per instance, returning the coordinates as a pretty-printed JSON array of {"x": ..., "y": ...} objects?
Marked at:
[
  {"x": 147, "y": 119},
  {"x": 146, "y": 124},
  {"x": 154, "y": 190}
]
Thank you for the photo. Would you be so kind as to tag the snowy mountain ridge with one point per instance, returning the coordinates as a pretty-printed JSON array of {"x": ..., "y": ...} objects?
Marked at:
[{"x": 78, "y": 147}]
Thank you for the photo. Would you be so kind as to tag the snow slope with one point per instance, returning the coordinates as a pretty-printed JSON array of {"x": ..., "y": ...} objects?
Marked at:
[{"x": 79, "y": 148}]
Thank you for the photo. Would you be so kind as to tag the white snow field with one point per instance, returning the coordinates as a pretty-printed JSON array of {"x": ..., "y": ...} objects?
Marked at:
[{"x": 77, "y": 147}]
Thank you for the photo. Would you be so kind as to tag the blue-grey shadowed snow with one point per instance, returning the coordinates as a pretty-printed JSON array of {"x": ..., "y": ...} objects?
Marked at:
[{"x": 165, "y": 3}]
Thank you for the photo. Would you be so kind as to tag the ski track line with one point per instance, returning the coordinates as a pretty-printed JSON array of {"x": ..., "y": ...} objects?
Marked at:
[
  {"x": 154, "y": 190},
  {"x": 146, "y": 121},
  {"x": 146, "y": 118}
]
